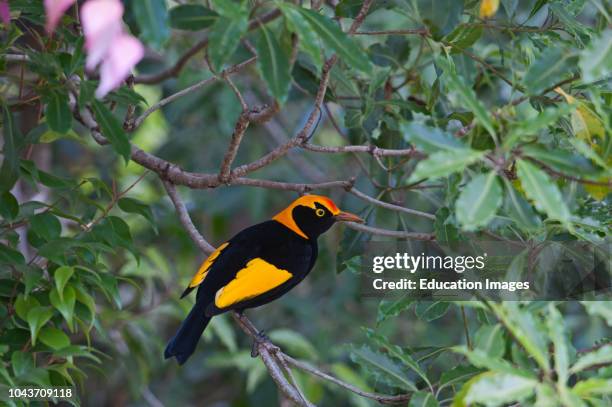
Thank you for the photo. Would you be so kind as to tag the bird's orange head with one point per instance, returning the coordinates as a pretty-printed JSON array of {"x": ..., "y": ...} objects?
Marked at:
[{"x": 311, "y": 215}]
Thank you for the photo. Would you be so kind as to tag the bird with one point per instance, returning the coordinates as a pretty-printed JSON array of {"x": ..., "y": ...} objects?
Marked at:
[{"x": 256, "y": 266}]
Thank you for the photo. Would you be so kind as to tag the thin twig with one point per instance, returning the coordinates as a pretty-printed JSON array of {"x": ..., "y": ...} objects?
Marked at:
[
  {"x": 180, "y": 64},
  {"x": 268, "y": 348},
  {"x": 390, "y": 233},
  {"x": 389, "y": 206},
  {"x": 186, "y": 219},
  {"x": 419, "y": 31},
  {"x": 381, "y": 398},
  {"x": 241, "y": 126},
  {"x": 227, "y": 72}
]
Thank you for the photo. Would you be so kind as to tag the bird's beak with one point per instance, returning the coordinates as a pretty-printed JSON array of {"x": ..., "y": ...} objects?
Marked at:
[{"x": 347, "y": 217}]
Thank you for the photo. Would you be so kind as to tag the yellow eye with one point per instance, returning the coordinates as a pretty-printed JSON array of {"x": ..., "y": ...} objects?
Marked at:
[{"x": 320, "y": 212}]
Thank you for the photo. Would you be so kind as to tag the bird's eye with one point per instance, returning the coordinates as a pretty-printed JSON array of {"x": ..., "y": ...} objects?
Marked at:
[{"x": 320, "y": 212}]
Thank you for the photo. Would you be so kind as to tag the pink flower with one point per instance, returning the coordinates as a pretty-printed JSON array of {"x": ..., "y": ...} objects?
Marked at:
[
  {"x": 55, "y": 9},
  {"x": 123, "y": 55},
  {"x": 102, "y": 23},
  {"x": 107, "y": 44},
  {"x": 5, "y": 12}
]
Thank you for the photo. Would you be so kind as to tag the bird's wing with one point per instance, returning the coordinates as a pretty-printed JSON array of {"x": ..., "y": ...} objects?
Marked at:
[
  {"x": 257, "y": 278},
  {"x": 204, "y": 269},
  {"x": 225, "y": 262}
]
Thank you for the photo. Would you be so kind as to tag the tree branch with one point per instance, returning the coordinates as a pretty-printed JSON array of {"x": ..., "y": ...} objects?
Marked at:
[
  {"x": 390, "y": 233},
  {"x": 241, "y": 126},
  {"x": 268, "y": 351},
  {"x": 381, "y": 398},
  {"x": 185, "y": 219},
  {"x": 389, "y": 206}
]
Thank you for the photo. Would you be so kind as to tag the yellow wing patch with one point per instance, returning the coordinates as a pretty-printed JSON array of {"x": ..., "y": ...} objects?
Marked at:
[
  {"x": 256, "y": 278},
  {"x": 205, "y": 267}
]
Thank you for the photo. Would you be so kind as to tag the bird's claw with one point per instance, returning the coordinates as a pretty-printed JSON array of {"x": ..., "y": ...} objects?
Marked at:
[{"x": 261, "y": 339}]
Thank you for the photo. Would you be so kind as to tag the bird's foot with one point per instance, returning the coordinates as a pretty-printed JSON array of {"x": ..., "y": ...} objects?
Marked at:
[{"x": 262, "y": 340}]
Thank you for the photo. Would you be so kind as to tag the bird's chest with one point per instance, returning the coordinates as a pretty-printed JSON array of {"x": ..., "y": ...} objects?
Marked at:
[{"x": 292, "y": 255}]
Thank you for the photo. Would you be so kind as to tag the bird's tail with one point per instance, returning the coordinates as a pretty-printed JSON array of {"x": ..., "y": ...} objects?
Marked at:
[{"x": 184, "y": 342}]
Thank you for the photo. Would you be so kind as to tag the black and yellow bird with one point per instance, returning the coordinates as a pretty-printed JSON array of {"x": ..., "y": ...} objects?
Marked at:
[{"x": 258, "y": 265}]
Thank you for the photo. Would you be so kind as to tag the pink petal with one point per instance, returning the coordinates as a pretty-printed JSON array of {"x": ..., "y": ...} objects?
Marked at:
[
  {"x": 55, "y": 9},
  {"x": 123, "y": 55},
  {"x": 5, "y": 12},
  {"x": 102, "y": 23}
]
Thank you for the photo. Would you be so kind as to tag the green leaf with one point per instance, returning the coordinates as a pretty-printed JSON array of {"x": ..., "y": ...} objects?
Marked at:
[
  {"x": 152, "y": 19},
  {"x": 109, "y": 284},
  {"x": 525, "y": 329},
  {"x": 479, "y": 201},
  {"x": 444, "y": 163},
  {"x": 468, "y": 98},
  {"x": 112, "y": 129},
  {"x": 192, "y": 17},
  {"x": 10, "y": 256},
  {"x": 54, "y": 338},
  {"x": 532, "y": 126},
  {"x": 599, "y": 309},
  {"x": 61, "y": 277},
  {"x": 24, "y": 304},
  {"x": 46, "y": 225},
  {"x": 543, "y": 191},
  {"x": 22, "y": 363},
  {"x": 560, "y": 160},
  {"x": 336, "y": 39},
  {"x": 76, "y": 351},
  {"x": 519, "y": 209},
  {"x": 593, "y": 387},
  {"x": 552, "y": 66},
  {"x": 383, "y": 367},
  {"x": 596, "y": 60},
  {"x": 464, "y": 36},
  {"x": 446, "y": 232},
  {"x": 131, "y": 205},
  {"x": 495, "y": 389},
  {"x": 399, "y": 354},
  {"x": 273, "y": 63},
  {"x": 602, "y": 355},
  {"x": 423, "y": 399},
  {"x": 57, "y": 114},
  {"x": 556, "y": 331},
  {"x": 546, "y": 396},
  {"x": 429, "y": 139},
  {"x": 64, "y": 305},
  {"x": 388, "y": 309},
  {"x": 295, "y": 342},
  {"x": 479, "y": 358},
  {"x": 431, "y": 310},
  {"x": 456, "y": 375},
  {"x": 440, "y": 16},
  {"x": 230, "y": 8},
  {"x": 9, "y": 171},
  {"x": 490, "y": 340},
  {"x": 309, "y": 41},
  {"x": 224, "y": 38},
  {"x": 37, "y": 317},
  {"x": 9, "y": 207}
]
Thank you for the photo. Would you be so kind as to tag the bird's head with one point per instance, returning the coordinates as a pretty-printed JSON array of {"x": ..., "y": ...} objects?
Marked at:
[{"x": 311, "y": 215}]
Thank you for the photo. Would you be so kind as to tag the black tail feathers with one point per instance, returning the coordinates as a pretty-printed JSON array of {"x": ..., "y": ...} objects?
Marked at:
[{"x": 184, "y": 342}]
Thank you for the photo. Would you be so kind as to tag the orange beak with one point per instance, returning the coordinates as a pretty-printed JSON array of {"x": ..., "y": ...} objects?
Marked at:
[{"x": 348, "y": 217}]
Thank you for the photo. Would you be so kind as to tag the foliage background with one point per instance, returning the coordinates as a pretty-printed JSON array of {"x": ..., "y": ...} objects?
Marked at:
[{"x": 93, "y": 258}]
